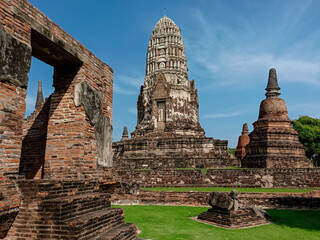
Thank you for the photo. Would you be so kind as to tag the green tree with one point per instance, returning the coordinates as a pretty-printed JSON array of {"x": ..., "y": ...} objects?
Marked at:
[
  {"x": 309, "y": 135},
  {"x": 232, "y": 151}
]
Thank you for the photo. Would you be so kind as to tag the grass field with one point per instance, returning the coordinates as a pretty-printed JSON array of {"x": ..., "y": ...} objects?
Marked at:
[
  {"x": 226, "y": 189},
  {"x": 174, "y": 223}
]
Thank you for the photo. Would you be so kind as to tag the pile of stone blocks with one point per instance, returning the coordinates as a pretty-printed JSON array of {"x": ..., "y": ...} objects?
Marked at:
[{"x": 224, "y": 212}]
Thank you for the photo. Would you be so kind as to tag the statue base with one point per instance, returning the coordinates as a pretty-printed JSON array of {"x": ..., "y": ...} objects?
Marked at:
[{"x": 242, "y": 218}]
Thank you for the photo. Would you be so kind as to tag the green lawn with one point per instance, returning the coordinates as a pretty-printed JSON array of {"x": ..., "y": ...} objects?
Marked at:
[
  {"x": 226, "y": 189},
  {"x": 174, "y": 223}
]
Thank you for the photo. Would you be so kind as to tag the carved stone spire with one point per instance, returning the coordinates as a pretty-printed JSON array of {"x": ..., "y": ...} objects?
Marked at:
[
  {"x": 166, "y": 51},
  {"x": 168, "y": 99},
  {"x": 125, "y": 135},
  {"x": 272, "y": 87},
  {"x": 39, "y": 95}
]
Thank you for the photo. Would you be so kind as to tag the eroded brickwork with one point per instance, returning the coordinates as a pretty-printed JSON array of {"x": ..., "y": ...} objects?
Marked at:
[
  {"x": 172, "y": 152},
  {"x": 72, "y": 209},
  {"x": 273, "y": 142},
  {"x": 34, "y": 142},
  {"x": 242, "y": 218},
  {"x": 15, "y": 58},
  {"x": 266, "y": 178},
  {"x": 310, "y": 200},
  {"x": 62, "y": 139}
]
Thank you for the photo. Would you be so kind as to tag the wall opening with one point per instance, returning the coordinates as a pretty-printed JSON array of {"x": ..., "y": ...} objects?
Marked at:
[
  {"x": 38, "y": 71},
  {"x": 65, "y": 67}
]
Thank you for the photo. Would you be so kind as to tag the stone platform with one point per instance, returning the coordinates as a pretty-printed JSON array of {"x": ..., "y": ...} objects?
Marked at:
[
  {"x": 168, "y": 132},
  {"x": 69, "y": 209},
  {"x": 172, "y": 152},
  {"x": 242, "y": 218}
]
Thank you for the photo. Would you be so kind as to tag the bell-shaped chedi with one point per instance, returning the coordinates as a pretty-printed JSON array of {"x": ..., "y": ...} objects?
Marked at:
[
  {"x": 242, "y": 142},
  {"x": 168, "y": 132},
  {"x": 273, "y": 142}
]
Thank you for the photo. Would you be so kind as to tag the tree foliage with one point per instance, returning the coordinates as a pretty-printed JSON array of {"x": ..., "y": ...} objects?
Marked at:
[
  {"x": 232, "y": 151},
  {"x": 309, "y": 135}
]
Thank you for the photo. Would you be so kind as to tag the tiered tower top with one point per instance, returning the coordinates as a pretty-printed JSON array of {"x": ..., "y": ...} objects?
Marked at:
[
  {"x": 168, "y": 100},
  {"x": 166, "y": 51}
]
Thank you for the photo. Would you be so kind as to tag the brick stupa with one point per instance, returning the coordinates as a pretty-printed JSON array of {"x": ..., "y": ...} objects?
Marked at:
[
  {"x": 168, "y": 132},
  {"x": 242, "y": 142},
  {"x": 39, "y": 100},
  {"x": 273, "y": 142}
]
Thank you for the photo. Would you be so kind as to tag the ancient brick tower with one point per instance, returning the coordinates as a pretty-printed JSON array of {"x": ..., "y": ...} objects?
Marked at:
[
  {"x": 168, "y": 132},
  {"x": 242, "y": 142},
  {"x": 168, "y": 100},
  {"x": 273, "y": 142}
]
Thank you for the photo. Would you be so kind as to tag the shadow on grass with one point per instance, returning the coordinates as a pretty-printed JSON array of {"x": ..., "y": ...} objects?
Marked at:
[{"x": 308, "y": 220}]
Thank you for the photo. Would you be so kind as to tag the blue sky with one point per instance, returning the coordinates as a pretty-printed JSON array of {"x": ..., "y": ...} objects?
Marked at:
[{"x": 230, "y": 47}]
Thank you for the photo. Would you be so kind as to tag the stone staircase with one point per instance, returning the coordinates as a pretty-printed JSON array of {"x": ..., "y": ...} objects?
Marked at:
[{"x": 60, "y": 211}]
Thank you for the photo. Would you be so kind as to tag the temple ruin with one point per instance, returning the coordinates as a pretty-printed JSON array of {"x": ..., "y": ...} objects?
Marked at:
[
  {"x": 55, "y": 166},
  {"x": 273, "y": 142},
  {"x": 168, "y": 132}
]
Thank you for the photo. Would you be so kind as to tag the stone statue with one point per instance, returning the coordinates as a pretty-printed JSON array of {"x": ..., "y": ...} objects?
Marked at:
[
  {"x": 127, "y": 188},
  {"x": 224, "y": 201},
  {"x": 226, "y": 213}
]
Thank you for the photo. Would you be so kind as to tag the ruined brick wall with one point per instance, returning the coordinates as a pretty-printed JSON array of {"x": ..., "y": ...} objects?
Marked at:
[
  {"x": 68, "y": 209},
  {"x": 13, "y": 80},
  {"x": 266, "y": 178},
  {"x": 165, "y": 177},
  {"x": 74, "y": 146},
  {"x": 71, "y": 136},
  {"x": 34, "y": 142},
  {"x": 67, "y": 123},
  {"x": 309, "y": 200}
]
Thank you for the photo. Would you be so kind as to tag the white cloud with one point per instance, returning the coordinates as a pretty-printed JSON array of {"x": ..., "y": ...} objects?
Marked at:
[
  {"x": 133, "y": 111},
  {"x": 135, "y": 81},
  {"x": 223, "y": 115},
  {"x": 128, "y": 85},
  {"x": 228, "y": 56},
  {"x": 30, "y": 102},
  {"x": 123, "y": 90},
  {"x": 311, "y": 109},
  {"x": 290, "y": 68}
]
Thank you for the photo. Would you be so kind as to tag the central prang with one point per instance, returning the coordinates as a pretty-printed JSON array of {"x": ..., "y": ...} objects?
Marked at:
[
  {"x": 168, "y": 100},
  {"x": 168, "y": 133}
]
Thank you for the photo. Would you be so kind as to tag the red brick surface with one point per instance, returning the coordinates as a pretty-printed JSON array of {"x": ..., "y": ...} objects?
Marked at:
[
  {"x": 256, "y": 178},
  {"x": 57, "y": 141},
  {"x": 310, "y": 200}
]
